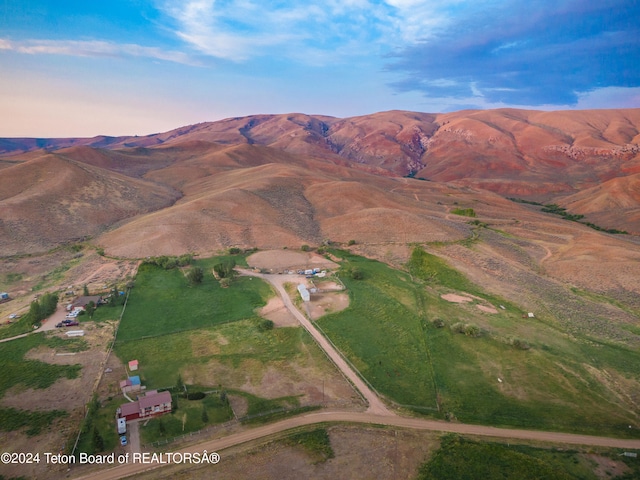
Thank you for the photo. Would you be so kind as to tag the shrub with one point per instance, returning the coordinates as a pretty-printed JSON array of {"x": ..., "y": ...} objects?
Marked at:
[
  {"x": 195, "y": 275},
  {"x": 195, "y": 395},
  {"x": 224, "y": 269},
  {"x": 519, "y": 344},
  {"x": 465, "y": 212},
  {"x": 234, "y": 251},
  {"x": 457, "y": 327},
  {"x": 305, "y": 248},
  {"x": 438, "y": 323},
  {"x": 471, "y": 330},
  {"x": 265, "y": 325},
  {"x": 351, "y": 242},
  {"x": 357, "y": 274}
]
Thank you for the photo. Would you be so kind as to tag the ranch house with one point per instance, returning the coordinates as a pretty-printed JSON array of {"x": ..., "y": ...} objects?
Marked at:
[{"x": 148, "y": 405}]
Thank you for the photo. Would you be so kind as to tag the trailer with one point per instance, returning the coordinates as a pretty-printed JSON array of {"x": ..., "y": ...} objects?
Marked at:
[{"x": 122, "y": 426}]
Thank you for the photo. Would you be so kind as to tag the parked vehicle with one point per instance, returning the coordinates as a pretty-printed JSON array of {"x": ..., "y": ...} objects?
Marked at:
[{"x": 123, "y": 440}]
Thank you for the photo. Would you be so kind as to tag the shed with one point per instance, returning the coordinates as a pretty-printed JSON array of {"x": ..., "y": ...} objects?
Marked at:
[
  {"x": 304, "y": 293},
  {"x": 133, "y": 365},
  {"x": 135, "y": 380}
]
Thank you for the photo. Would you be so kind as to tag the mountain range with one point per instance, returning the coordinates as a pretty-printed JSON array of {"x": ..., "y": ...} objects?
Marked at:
[
  {"x": 378, "y": 184},
  {"x": 307, "y": 178}
]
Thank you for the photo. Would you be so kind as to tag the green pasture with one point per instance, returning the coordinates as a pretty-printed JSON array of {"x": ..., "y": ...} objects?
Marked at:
[
  {"x": 237, "y": 349},
  {"x": 560, "y": 383},
  {"x": 461, "y": 459},
  {"x": 382, "y": 334},
  {"x": 162, "y": 302}
]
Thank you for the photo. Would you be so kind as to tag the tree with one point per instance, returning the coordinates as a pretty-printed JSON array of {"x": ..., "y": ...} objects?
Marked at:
[
  {"x": 85, "y": 291},
  {"x": 179, "y": 383},
  {"x": 90, "y": 308},
  {"x": 195, "y": 275},
  {"x": 35, "y": 312},
  {"x": 224, "y": 269},
  {"x": 97, "y": 440},
  {"x": 205, "y": 415}
]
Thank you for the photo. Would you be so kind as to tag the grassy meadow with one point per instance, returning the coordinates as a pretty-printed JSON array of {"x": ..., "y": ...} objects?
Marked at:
[
  {"x": 163, "y": 302},
  {"x": 403, "y": 338}
]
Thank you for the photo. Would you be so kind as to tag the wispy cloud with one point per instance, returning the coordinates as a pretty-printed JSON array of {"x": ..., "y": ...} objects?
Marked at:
[
  {"x": 241, "y": 29},
  {"x": 547, "y": 52},
  {"x": 94, "y": 48}
]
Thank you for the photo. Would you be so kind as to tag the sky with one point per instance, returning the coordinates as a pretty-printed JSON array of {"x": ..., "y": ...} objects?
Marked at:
[{"x": 74, "y": 68}]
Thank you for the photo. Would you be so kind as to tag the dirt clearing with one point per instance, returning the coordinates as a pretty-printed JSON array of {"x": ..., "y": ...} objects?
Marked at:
[
  {"x": 280, "y": 260},
  {"x": 324, "y": 303},
  {"x": 275, "y": 311}
]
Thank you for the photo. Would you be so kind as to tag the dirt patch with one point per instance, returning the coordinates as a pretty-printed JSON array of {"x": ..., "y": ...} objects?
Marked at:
[
  {"x": 281, "y": 260},
  {"x": 606, "y": 468},
  {"x": 239, "y": 405},
  {"x": 325, "y": 303},
  {"x": 275, "y": 311},
  {"x": 487, "y": 309},
  {"x": 453, "y": 298}
]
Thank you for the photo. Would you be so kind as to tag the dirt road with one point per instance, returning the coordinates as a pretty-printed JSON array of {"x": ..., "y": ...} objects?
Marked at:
[
  {"x": 220, "y": 444},
  {"x": 375, "y": 404}
]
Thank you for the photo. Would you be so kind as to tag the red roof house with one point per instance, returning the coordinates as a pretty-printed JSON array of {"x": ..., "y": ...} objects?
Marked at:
[{"x": 150, "y": 404}]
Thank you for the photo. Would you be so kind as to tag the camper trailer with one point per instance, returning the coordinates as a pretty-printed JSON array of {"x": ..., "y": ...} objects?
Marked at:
[{"x": 122, "y": 426}]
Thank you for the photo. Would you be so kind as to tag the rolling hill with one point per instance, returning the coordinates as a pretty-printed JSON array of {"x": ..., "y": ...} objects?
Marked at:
[{"x": 384, "y": 181}]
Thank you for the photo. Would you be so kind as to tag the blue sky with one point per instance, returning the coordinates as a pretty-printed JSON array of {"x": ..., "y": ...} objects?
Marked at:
[{"x": 83, "y": 68}]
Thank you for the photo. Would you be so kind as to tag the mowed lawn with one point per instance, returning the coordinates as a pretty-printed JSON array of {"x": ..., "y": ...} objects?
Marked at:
[{"x": 163, "y": 302}]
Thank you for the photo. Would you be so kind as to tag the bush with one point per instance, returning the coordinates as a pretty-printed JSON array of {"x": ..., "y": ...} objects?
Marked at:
[
  {"x": 265, "y": 325},
  {"x": 519, "y": 344},
  {"x": 471, "y": 330},
  {"x": 351, "y": 242},
  {"x": 224, "y": 269},
  {"x": 234, "y": 251},
  {"x": 468, "y": 329},
  {"x": 465, "y": 212},
  {"x": 195, "y": 275},
  {"x": 438, "y": 323},
  {"x": 457, "y": 327},
  {"x": 357, "y": 274},
  {"x": 305, "y": 248},
  {"x": 195, "y": 395}
]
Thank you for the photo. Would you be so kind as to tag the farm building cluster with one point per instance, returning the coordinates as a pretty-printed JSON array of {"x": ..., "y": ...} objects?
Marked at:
[{"x": 148, "y": 404}]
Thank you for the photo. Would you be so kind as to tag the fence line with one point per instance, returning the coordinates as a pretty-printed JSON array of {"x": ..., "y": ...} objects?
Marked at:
[{"x": 102, "y": 368}]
